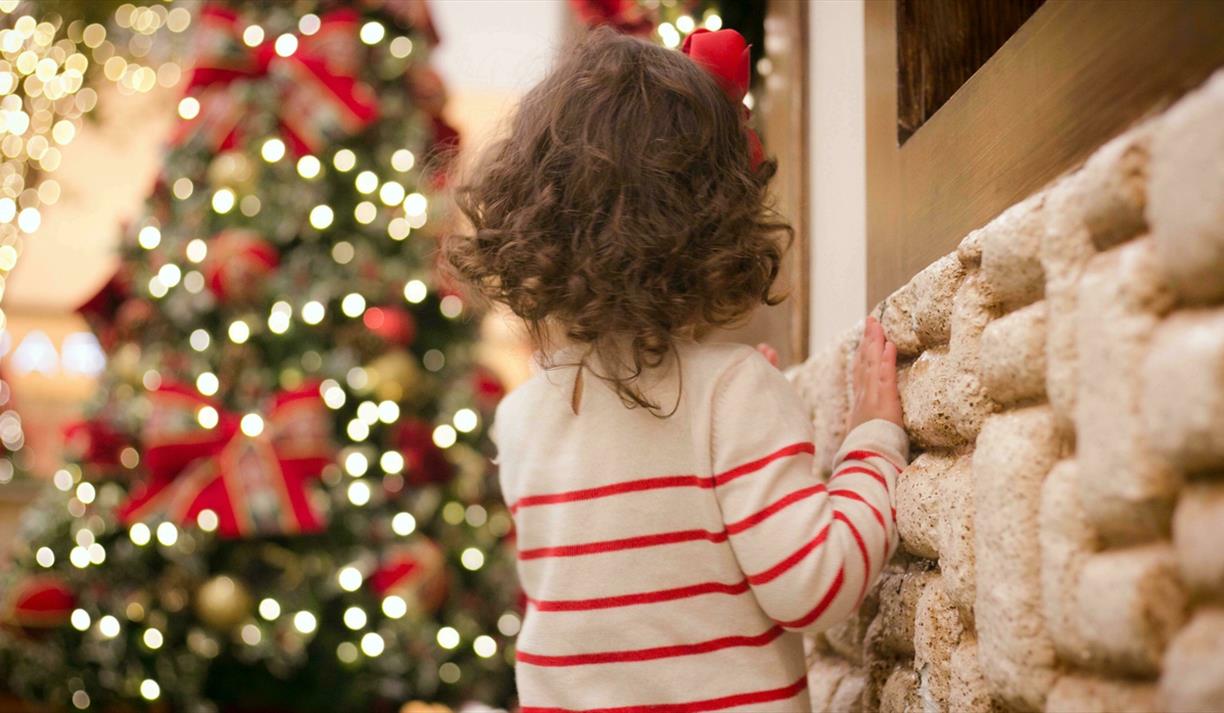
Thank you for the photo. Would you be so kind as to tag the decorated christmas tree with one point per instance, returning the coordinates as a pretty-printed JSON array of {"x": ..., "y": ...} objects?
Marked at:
[{"x": 280, "y": 498}]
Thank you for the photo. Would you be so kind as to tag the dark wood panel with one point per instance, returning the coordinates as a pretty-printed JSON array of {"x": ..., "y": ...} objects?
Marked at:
[
  {"x": 941, "y": 43},
  {"x": 1076, "y": 74}
]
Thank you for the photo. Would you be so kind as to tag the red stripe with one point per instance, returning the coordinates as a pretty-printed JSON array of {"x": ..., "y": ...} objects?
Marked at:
[
  {"x": 821, "y": 606},
  {"x": 603, "y": 491},
  {"x": 860, "y": 469},
  {"x": 862, "y": 550},
  {"x": 754, "y": 519},
  {"x": 625, "y": 600},
  {"x": 753, "y": 466},
  {"x": 709, "y": 704},
  {"x": 795, "y": 557},
  {"x": 865, "y": 454},
  {"x": 628, "y": 543},
  {"x": 854, "y": 495},
  {"x": 662, "y": 481},
  {"x": 658, "y": 652}
]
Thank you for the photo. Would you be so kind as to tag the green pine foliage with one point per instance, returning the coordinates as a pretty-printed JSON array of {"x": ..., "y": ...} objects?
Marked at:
[{"x": 353, "y": 226}]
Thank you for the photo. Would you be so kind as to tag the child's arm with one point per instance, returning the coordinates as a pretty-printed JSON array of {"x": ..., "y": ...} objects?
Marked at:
[{"x": 809, "y": 550}]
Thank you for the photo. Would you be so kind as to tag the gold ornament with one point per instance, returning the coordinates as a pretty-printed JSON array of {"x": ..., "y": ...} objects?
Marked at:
[
  {"x": 394, "y": 376},
  {"x": 222, "y": 602}
]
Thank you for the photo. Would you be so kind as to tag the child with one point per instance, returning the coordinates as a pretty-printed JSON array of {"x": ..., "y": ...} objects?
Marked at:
[{"x": 673, "y": 539}]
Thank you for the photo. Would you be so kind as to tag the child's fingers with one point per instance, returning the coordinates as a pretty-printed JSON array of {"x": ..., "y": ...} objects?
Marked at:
[{"x": 888, "y": 364}]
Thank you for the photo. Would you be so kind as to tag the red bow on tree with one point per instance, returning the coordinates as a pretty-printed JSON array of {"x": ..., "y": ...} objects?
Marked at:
[
  {"x": 728, "y": 58},
  {"x": 321, "y": 97},
  {"x": 255, "y": 481}
]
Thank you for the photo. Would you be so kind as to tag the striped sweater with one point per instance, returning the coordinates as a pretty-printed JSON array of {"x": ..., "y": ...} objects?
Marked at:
[{"x": 671, "y": 564}]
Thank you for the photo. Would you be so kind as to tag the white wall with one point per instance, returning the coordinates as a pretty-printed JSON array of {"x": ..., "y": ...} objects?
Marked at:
[{"x": 838, "y": 168}]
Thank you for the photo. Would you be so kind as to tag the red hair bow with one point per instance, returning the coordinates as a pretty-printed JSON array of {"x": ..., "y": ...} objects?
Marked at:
[{"x": 727, "y": 57}]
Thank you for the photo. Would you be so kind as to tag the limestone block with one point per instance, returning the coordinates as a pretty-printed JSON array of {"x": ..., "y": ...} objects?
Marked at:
[
  {"x": 920, "y": 504},
  {"x": 900, "y": 692},
  {"x": 969, "y": 251},
  {"x": 1066, "y": 544},
  {"x": 1186, "y": 193},
  {"x": 937, "y": 632},
  {"x": 1088, "y": 694},
  {"x": 897, "y": 319},
  {"x": 1014, "y": 452},
  {"x": 1183, "y": 389},
  {"x": 1012, "y": 356},
  {"x": 1011, "y": 245},
  {"x": 943, "y": 404},
  {"x": 848, "y": 698},
  {"x": 1066, "y": 249},
  {"x": 933, "y": 290},
  {"x": 1129, "y": 603},
  {"x": 892, "y": 630},
  {"x": 956, "y": 558},
  {"x": 826, "y": 675},
  {"x": 968, "y": 691},
  {"x": 972, "y": 310},
  {"x": 1198, "y": 531},
  {"x": 1112, "y": 189},
  {"x": 1193, "y": 680},
  {"x": 1126, "y": 488}
]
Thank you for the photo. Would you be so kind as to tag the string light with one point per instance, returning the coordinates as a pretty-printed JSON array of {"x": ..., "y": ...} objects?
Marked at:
[
  {"x": 372, "y": 644},
  {"x": 372, "y": 32},
  {"x": 313, "y": 312},
  {"x": 465, "y": 420},
  {"x": 167, "y": 534},
  {"x": 344, "y": 160},
  {"x": 391, "y": 462},
  {"x": 349, "y": 578},
  {"x": 713, "y": 22},
  {"x": 149, "y": 689},
  {"x": 403, "y": 524},
  {"x": 269, "y": 609},
  {"x": 394, "y": 607},
  {"x": 366, "y": 182},
  {"x": 208, "y": 520},
  {"x": 472, "y": 559},
  {"x": 251, "y": 634},
  {"x": 353, "y": 305},
  {"x": 309, "y": 166},
  {"x": 448, "y": 637},
  {"x": 305, "y": 622},
  {"x": 140, "y": 534},
  {"x": 415, "y": 291},
  {"x": 197, "y": 250},
  {"x": 272, "y": 150},
  {"x": 444, "y": 436},
  {"x": 80, "y": 619},
  {"x": 401, "y": 47},
  {"x": 484, "y": 646},
  {"x": 45, "y": 557},
  {"x": 359, "y": 493},
  {"x": 321, "y": 216},
  {"x": 354, "y": 618},
  {"x": 152, "y": 638},
  {"x": 108, "y": 626}
]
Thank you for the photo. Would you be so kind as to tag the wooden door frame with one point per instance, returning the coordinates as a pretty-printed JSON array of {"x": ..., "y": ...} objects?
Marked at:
[{"x": 1076, "y": 73}]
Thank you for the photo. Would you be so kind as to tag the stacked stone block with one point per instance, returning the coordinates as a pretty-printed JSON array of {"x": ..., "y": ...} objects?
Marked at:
[{"x": 1062, "y": 521}]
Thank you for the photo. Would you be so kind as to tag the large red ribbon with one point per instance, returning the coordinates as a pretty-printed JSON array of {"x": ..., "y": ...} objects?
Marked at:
[
  {"x": 255, "y": 484},
  {"x": 727, "y": 57},
  {"x": 320, "y": 95}
]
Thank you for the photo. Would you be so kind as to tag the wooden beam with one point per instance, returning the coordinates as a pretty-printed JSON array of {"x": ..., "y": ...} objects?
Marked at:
[{"x": 1076, "y": 74}]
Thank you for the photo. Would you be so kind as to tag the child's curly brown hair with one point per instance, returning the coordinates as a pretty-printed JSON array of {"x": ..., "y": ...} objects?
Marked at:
[{"x": 622, "y": 210}]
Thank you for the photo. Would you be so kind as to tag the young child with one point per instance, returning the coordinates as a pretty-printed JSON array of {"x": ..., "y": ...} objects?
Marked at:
[{"x": 673, "y": 538}]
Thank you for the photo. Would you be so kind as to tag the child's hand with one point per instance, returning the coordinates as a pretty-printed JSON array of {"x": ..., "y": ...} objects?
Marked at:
[
  {"x": 875, "y": 379},
  {"x": 770, "y": 354}
]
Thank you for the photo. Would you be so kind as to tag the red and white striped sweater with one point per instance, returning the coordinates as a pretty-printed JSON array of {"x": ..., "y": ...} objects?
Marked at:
[{"x": 670, "y": 564}]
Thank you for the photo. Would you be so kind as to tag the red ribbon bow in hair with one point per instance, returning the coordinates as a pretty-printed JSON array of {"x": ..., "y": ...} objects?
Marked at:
[
  {"x": 256, "y": 484},
  {"x": 321, "y": 97},
  {"x": 727, "y": 57}
]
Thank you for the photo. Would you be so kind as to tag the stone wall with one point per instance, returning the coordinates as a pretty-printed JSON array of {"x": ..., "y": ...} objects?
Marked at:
[{"x": 1062, "y": 521}]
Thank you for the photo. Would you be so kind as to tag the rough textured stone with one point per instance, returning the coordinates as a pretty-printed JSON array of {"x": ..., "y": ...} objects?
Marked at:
[
  {"x": 897, "y": 319},
  {"x": 1011, "y": 246},
  {"x": 1198, "y": 538},
  {"x": 933, "y": 289},
  {"x": 1126, "y": 488},
  {"x": 920, "y": 504},
  {"x": 969, "y": 251},
  {"x": 1012, "y": 355},
  {"x": 968, "y": 691},
  {"x": 847, "y": 637},
  {"x": 824, "y": 383},
  {"x": 1014, "y": 452},
  {"x": 1129, "y": 603},
  {"x": 1186, "y": 193},
  {"x": 1193, "y": 680},
  {"x": 900, "y": 692},
  {"x": 1088, "y": 694},
  {"x": 937, "y": 632},
  {"x": 1066, "y": 543},
  {"x": 944, "y": 404},
  {"x": 956, "y": 556},
  {"x": 1183, "y": 389},
  {"x": 1112, "y": 189},
  {"x": 892, "y": 631}
]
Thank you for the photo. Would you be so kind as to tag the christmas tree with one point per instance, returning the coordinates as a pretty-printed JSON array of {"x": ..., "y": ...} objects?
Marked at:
[{"x": 280, "y": 498}]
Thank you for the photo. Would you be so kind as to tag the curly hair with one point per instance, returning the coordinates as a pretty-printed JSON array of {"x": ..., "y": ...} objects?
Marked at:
[{"x": 622, "y": 210}]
